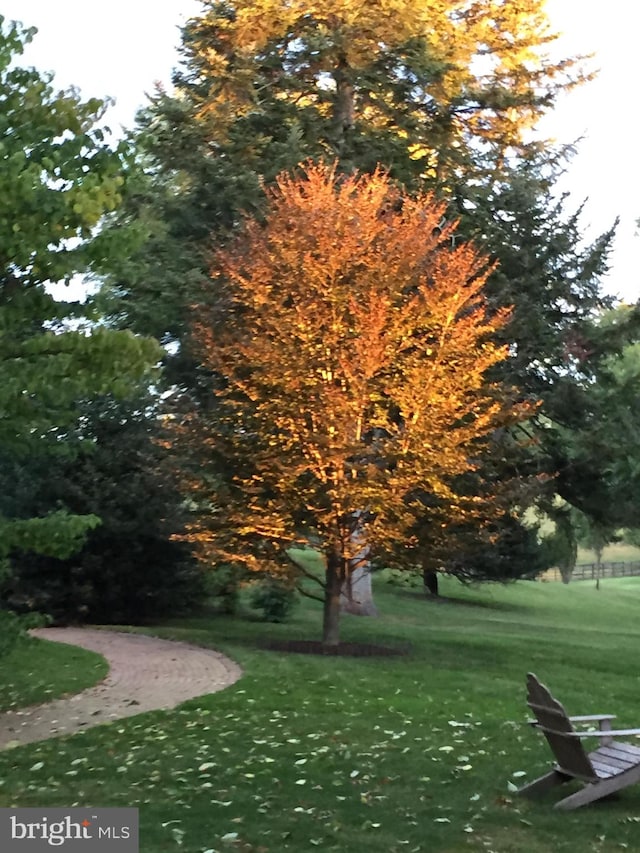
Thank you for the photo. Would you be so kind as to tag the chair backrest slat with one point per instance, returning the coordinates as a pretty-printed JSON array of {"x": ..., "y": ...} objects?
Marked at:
[{"x": 568, "y": 751}]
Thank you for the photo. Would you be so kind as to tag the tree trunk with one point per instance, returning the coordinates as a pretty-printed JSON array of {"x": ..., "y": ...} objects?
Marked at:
[
  {"x": 567, "y": 537},
  {"x": 430, "y": 579},
  {"x": 331, "y": 616},
  {"x": 357, "y": 594},
  {"x": 344, "y": 105}
]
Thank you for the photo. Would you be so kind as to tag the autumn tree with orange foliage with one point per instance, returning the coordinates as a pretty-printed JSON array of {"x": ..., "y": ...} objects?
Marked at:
[{"x": 352, "y": 348}]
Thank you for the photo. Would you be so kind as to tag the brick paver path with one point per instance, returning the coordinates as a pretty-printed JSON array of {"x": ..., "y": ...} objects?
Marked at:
[{"x": 145, "y": 674}]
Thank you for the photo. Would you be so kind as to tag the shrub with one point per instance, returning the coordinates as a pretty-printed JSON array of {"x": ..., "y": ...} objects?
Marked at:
[
  {"x": 222, "y": 584},
  {"x": 402, "y": 578},
  {"x": 13, "y": 628},
  {"x": 274, "y": 598},
  {"x": 10, "y": 632}
]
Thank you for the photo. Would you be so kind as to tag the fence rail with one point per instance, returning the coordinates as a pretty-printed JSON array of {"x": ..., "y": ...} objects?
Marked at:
[{"x": 589, "y": 571}]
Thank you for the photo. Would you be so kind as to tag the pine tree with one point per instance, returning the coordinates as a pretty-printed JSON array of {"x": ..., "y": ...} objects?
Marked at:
[{"x": 441, "y": 95}]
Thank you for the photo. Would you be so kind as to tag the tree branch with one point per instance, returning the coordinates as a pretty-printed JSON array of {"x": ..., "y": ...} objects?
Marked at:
[
  {"x": 309, "y": 594},
  {"x": 305, "y": 572}
]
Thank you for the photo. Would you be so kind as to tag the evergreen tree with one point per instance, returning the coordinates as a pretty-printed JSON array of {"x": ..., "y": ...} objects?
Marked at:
[
  {"x": 129, "y": 569},
  {"x": 593, "y": 436},
  {"x": 441, "y": 95}
]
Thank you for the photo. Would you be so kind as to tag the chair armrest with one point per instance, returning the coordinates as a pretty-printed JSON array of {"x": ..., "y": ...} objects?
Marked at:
[
  {"x": 592, "y": 718},
  {"x": 614, "y": 733},
  {"x": 604, "y": 726},
  {"x": 602, "y": 719},
  {"x": 585, "y": 718}
]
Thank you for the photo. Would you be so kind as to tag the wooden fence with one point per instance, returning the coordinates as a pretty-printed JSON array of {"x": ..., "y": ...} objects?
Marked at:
[{"x": 589, "y": 571}]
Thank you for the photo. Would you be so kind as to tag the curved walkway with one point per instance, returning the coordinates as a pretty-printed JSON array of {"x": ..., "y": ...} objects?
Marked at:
[{"x": 145, "y": 674}]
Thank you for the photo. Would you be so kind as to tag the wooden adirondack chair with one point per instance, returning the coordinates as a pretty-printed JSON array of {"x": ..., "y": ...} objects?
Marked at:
[{"x": 609, "y": 768}]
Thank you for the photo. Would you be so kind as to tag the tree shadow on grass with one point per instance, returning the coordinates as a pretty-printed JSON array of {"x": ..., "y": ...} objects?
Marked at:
[
  {"x": 344, "y": 649},
  {"x": 442, "y": 600}
]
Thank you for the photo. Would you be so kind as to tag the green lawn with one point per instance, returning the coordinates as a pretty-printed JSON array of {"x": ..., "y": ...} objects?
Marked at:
[
  {"x": 37, "y": 671},
  {"x": 385, "y": 755}
]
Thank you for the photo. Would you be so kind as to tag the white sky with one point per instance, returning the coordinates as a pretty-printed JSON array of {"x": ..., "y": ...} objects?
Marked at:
[{"x": 122, "y": 47}]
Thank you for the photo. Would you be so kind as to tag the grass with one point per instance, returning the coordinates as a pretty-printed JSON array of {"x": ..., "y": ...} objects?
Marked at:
[
  {"x": 38, "y": 671},
  {"x": 385, "y": 755}
]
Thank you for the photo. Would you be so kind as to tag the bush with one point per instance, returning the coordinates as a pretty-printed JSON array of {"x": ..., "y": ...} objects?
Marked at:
[
  {"x": 274, "y": 598},
  {"x": 222, "y": 584},
  {"x": 402, "y": 578},
  {"x": 13, "y": 629}
]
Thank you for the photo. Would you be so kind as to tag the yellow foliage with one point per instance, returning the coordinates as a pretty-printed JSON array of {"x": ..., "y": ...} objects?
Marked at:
[{"x": 486, "y": 56}]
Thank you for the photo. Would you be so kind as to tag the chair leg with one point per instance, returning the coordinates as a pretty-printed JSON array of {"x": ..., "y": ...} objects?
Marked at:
[
  {"x": 544, "y": 783},
  {"x": 597, "y": 790},
  {"x": 582, "y": 797}
]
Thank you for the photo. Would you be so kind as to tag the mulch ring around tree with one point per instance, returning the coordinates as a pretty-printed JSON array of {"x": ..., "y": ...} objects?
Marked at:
[{"x": 315, "y": 647}]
